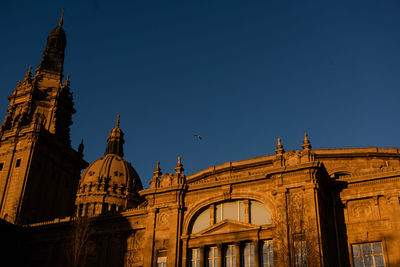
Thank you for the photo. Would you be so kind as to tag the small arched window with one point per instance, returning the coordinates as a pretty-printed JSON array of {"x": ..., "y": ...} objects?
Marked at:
[{"x": 247, "y": 211}]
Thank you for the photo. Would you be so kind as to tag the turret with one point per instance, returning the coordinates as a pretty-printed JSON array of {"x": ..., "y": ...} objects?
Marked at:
[{"x": 110, "y": 184}]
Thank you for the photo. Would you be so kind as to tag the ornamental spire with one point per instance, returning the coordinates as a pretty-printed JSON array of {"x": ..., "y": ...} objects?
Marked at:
[
  {"x": 306, "y": 143},
  {"x": 60, "y": 22},
  {"x": 117, "y": 123},
  {"x": 279, "y": 147},
  {"x": 157, "y": 170},
  {"x": 28, "y": 75},
  {"x": 67, "y": 82},
  {"x": 53, "y": 56},
  {"x": 115, "y": 141},
  {"x": 179, "y": 166}
]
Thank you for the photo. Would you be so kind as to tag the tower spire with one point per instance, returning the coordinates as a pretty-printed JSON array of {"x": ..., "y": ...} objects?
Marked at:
[
  {"x": 60, "y": 22},
  {"x": 115, "y": 141},
  {"x": 53, "y": 55},
  {"x": 117, "y": 123}
]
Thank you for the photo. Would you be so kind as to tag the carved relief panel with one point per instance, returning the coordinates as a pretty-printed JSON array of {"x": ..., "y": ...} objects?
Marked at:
[
  {"x": 134, "y": 249},
  {"x": 362, "y": 209}
]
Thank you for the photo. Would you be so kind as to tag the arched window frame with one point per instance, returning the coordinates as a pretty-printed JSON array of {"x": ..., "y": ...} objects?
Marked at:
[{"x": 247, "y": 210}]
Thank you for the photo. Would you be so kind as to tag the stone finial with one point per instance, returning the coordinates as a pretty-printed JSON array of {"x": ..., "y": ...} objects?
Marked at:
[
  {"x": 117, "y": 123},
  {"x": 80, "y": 148},
  {"x": 306, "y": 143},
  {"x": 157, "y": 170},
  {"x": 60, "y": 22},
  {"x": 28, "y": 75},
  {"x": 179, "y": 166},
  {"x": 67, "y": 82},
  {"x": 279, "y": 147}
]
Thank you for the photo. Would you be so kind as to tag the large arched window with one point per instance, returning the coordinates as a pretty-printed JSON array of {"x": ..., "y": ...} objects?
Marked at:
[{"x": 248, "y": 211}]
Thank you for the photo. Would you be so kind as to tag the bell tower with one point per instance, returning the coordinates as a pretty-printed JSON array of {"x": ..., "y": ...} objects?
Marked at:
[{"x": 39, "y": 170}]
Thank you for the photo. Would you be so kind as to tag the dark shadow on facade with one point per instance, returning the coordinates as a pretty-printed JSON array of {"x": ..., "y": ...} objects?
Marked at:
[{"x": 52, "y": 244}]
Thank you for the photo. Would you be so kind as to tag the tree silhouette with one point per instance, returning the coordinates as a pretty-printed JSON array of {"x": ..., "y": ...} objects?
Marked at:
[{"x": 77, "y": 248}]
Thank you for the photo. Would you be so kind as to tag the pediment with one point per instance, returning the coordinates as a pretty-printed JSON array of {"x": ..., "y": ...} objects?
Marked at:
[{"x": 227, "y": 226}]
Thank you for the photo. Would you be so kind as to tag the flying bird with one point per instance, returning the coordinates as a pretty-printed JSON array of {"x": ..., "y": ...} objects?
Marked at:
[{"x": 197, "y": 136}]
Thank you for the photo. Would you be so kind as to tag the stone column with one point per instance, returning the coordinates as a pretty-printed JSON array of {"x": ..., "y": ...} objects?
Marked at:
[
  {"x": 212, "y": 217},
  {"x": 256, "y": 253},
  {"x": 247, "y": 211},
  {"x": 237, "y": 252},
  {"x": 185, "y": 253}
]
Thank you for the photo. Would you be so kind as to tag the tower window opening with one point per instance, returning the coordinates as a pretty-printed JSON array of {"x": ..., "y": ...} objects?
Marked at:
[
  {"x": 18, "y": 163},
  {"x": 80, "y": 210},
  {"x": 1, "y": 166},
  {"x": 113, "y": 208}
]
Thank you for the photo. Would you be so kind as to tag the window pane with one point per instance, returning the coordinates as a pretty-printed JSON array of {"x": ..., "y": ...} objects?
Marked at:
[
  {"x": 248, "y": 255},
  {"x": 246, "y": 261},
  {"x": 202, "y": 221},
  {"x": 230, "y": 256},
  {"x": 300, "y": 253},
  {"x": 368, "y": 254},
  {"x": 212, "y": 257},
  {"x": 268, "y": 256},
  {"x": 377, "y": 248},
  {"x": 368, "y": 261},
  {"x": 366, "y": 249},
  {"x": 358, "y": 262},
  {"x": 230, "y": 211},
  {"x": 259, "y": 214},
  {"x": 195, "y": 261},
  {"x": 379, "y": 261},
  {"x": 356, "y": 250}
]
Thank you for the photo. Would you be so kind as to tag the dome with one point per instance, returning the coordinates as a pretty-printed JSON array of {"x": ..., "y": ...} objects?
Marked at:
[
  {"x": 110, "y": 183},
  {"x": 112, "y": 169}
]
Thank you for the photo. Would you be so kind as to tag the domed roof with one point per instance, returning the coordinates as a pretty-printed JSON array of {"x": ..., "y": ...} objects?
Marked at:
[
  {"x": 112, "y": 169},
  {"x": 109, "y": 182}
]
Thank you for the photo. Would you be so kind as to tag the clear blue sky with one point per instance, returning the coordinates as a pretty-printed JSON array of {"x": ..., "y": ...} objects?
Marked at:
[{"x": 239, "y": 73}]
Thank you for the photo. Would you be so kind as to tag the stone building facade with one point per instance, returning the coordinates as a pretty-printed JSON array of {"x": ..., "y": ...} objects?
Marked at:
[{"x": 311, "y": 207}]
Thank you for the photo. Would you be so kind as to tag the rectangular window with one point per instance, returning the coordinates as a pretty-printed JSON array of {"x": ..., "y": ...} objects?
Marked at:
[
  {"x": 195, "y": 259},
  {"x": 268, "y": 254},
  {"x": 162, "y": 258},
  {"x": 18, "y": 163},
  {"x": 230, "y": 256},
  {"x": 300, "y": 253},
  {"x": 368, "y": 254},
  {"x": 248, "y": 255},
  {"x": 1, "y": 166},
  {"x": 212, "y": 257},
  {"x": 230, "y": 210}
]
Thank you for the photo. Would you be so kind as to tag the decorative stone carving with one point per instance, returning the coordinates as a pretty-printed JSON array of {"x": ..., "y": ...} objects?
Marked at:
[{"x": 163, "y": 219}]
